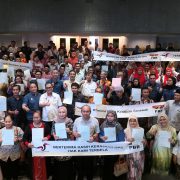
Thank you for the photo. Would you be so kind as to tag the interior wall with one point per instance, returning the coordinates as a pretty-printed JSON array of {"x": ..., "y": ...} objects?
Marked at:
[{"x": 92, "y": 17}]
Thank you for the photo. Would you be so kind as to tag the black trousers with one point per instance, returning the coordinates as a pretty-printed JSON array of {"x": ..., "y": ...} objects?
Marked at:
[
  {"x": 85, "y": 167},
  {"x": 10, "y": 169},
  {"x": 63, "y": 170}
]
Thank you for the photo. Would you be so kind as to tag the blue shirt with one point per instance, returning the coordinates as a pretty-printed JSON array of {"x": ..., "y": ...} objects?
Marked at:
[
  {"x": 58, "y": 86},
  {"x": 15, "y": 104},
  {"x": 120, "y": 136},
  {"x": 32, "y": 102}
]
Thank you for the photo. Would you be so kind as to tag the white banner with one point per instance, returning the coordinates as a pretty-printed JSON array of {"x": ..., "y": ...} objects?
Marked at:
[
  {"x": 146, "y": 57},
  {"x": 76, "y": 148},
  {"x": 15, "y": 65},
  {"x": 139, "y": 110}
]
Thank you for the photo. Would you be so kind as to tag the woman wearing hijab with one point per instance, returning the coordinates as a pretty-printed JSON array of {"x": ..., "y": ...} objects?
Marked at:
[
  {"x": 63, "y": 165},
  {"x": 168, "y": 74},
  {"x": 139, "y": 74},
  {"x": 135, "y": 160},
  {"x": 168, "y": 89},
  {"x": 161, "y": 156},
  {"x": 110, "y": 122}
]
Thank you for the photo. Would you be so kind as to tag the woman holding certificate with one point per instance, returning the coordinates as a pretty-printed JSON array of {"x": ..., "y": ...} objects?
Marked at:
[
  {"x": 34, "y": 135},
  {"x": 134, "y": 133},
  {"x": 62, "y": 131},
  {"x": 165, "y": 138},
  {"x": 10, "y": 137},
  {"x": 110, "y": 131}
]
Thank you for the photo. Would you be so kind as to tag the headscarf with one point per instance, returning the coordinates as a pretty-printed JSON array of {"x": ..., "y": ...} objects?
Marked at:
[
  {"x": 141, "y": 77},
  {"x": 165, "y": 116},
  {"x": 114, "y": 123},
  {"x": 173, "y": 86},
  {"x": 138, "y": 86},
  {"x": 166, "y": 76},
  {"x": 156, "y": 71},
  {"x": 128, "y": 130},
  {"x": 66, "y": 119}
]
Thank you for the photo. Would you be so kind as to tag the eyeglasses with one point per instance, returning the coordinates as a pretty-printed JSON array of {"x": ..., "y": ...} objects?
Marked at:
[{"x": 48, "y": 87}]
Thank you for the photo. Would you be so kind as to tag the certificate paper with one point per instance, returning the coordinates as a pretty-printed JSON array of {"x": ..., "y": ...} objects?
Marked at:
[
  {"x": 163, "y": 138},
  {"x": 60, "y": 129},
  {"x": 68, "y": 96},
  {"x": 22, "y": 88},
  {"x": 27, "y": 74},
  {"x": 37, "y": 136},
  {"x": 41, "y": 84},
  {"x": 136, "y": 94},
  {"x": 104, "y": 68},
  {"x": 98, "y": 98},
  {"x": 138, "y": 134},
  {"x": 116, "y": 83},
  {"x": 10, "y": 71},
  {"x": 84, "y": 132},
  {"x": 3, "y": 103},
  {"x": 4, "y": 77},
  {"x": 7, "y": 137},
  {"x": 110, "y": 133}
]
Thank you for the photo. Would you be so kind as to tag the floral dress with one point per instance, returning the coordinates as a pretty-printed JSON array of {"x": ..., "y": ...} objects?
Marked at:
[{"x": 161, "y": 156}]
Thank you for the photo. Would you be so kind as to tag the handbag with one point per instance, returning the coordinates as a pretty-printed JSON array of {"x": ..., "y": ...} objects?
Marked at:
[{"x": 120, "y": 167}]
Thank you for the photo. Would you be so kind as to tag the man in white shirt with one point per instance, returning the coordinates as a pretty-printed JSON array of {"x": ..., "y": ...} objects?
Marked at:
[
  {"x": 79, "y": 74},
  {"x": 67, "y": 83},
  {"x": 68, "y": 66},
  {"x": 89, "y": 86},
  {"x": 85, "y": 164},
  {"x": 173, "y": 110},
  {"x": 87, "y": 63},
  {"x": 13, "y": 48},
  {"x": 49, "y": 101}
]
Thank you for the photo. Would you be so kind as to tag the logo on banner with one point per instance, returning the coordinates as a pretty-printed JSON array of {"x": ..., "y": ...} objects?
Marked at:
[
  {"x": 158, "y": 108},
  {"x": 43, "y": 147}
]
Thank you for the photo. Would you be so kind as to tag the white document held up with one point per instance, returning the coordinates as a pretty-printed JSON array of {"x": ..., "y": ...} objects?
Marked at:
[
  {"x": 98, "y": 97},
  {"x": 7, "y": 137},
  {"x": 3, "y": 103},
  {"x": 163, "y": 139},
  {"x": 41, "y": 84},
  {"x": 68, "y": 96},
  {"x": 22, "y": 88},
  {"x": 10, "y": 71},
  {"x": 37, "y": 136},
  {"x": 104, "y": 68},
  {"x": 138, "y": 134},
  {"x": 27, "y": 74},
  {"x": 136, "y": 94},
  {"x": 85, "y": 133},
  {"x": 116, "y": 84},
  {"x": 4, "y": 77},
  {"x": 110, "y": 133},
  {"x": 60, "y": 129}
]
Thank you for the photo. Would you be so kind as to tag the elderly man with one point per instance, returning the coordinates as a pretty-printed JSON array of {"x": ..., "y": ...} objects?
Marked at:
[{"x": 91, "y": 125}]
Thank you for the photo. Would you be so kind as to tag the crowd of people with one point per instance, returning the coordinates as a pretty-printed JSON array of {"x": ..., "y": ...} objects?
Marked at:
[{"x": 74, "y": 71}]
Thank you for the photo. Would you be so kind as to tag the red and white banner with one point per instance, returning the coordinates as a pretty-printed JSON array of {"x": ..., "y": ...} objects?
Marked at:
[
  {"x": 139, "y": 110},
  {"x": 146, "y": 57}
]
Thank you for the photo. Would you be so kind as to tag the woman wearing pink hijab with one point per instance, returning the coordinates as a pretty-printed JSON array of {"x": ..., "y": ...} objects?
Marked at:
[{"x": 135, "y": 160}]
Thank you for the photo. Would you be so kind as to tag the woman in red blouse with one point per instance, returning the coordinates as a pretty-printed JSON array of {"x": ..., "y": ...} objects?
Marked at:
[{"x": 37, "y": 164}]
